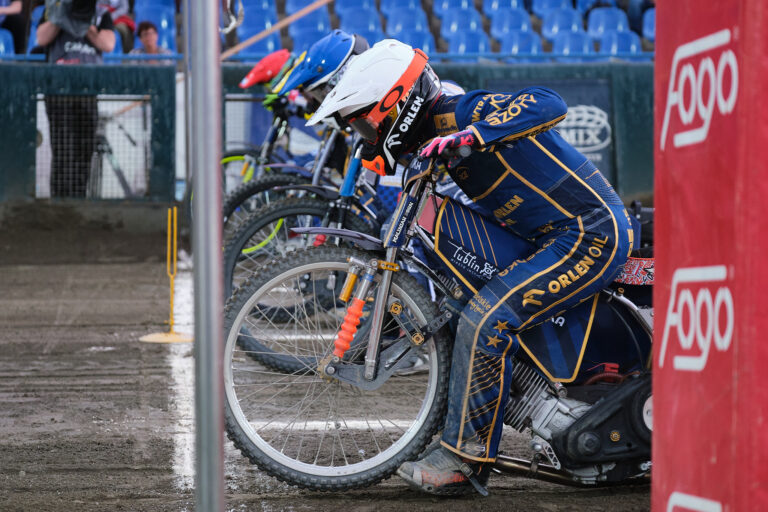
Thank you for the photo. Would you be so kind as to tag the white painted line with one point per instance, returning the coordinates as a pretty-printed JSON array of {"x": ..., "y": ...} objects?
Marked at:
[{"x": 182, "y": 372}]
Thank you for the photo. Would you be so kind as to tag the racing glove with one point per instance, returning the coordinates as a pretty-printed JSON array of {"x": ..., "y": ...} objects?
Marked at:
[{"x": 438, "y": 145}]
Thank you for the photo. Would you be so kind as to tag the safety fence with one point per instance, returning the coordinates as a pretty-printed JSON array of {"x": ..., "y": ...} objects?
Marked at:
[{"x": 125, "y": 137}]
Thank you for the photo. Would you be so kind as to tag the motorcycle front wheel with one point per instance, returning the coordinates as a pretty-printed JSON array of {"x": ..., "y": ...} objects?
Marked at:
[{"x": 306, "y": 429}]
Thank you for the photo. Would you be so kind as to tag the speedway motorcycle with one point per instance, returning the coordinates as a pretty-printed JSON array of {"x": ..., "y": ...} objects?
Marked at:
[{"x": 320, "y": 385}]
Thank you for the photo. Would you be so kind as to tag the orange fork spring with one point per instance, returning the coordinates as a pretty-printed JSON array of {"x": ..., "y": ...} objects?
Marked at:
[{"x": 348, "y": 328}]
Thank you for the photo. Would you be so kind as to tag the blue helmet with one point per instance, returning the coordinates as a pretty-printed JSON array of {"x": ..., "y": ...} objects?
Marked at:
[{"x": 320, "y": 69}]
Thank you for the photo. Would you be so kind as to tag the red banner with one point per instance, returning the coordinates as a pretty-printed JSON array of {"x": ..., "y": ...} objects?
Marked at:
[{"x": 710, "y": 444}]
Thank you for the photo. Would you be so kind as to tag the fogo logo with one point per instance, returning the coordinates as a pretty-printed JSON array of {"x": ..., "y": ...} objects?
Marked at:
[
  {"x": 700, "y": 85},
  {"x": 708, "y": 318}
]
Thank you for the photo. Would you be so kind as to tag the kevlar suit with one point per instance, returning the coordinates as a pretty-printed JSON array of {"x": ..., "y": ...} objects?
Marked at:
[{"x": 545, "y": 191}]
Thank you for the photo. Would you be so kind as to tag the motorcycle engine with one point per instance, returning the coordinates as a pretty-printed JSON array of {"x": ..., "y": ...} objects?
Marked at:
[{"x": 579, "y": 436}]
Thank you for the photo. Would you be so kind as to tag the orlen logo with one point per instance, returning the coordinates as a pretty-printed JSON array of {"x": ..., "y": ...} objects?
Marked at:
[
  {"x": 697, "y": 91},
  {"x": 709, "y": 317}
]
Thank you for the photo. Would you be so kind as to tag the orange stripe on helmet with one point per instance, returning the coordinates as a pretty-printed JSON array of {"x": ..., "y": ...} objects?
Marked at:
[{"x": 401, "y": 88}]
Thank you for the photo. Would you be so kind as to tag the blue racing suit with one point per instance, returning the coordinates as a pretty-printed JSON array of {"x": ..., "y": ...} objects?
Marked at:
[{"x": 543, "y": 190}]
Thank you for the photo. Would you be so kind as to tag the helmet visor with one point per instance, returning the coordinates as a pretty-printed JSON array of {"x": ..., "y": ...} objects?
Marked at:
[{"x": 365, "y": 128}]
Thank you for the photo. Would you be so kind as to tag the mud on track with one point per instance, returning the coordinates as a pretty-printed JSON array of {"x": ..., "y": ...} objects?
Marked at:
[{"x": 93, "y": 420}]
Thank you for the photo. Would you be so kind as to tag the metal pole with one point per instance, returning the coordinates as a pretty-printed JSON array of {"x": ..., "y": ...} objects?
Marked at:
[{"x": 205, "y": 152}]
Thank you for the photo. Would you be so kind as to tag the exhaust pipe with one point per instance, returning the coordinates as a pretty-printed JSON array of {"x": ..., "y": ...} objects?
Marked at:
[{"x": 527, "y": 469}]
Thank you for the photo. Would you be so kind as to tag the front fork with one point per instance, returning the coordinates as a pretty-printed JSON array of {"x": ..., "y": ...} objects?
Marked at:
[{"x": 369, "y": 270}]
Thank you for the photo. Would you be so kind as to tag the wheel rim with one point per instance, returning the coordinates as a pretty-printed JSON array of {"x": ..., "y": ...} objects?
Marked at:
[{"x": 314, "y": 426}]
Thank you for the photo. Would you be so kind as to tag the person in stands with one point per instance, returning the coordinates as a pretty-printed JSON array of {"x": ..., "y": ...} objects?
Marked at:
[{"x": 147, "y": 32}]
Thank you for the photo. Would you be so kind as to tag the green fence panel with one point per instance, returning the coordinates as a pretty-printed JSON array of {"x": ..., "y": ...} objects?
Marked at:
[{"x": 22, "y": 82}]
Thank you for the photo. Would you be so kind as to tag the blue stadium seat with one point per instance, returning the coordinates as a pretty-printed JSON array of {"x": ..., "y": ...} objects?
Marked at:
[
  {"x": 613, "y": 43},
  {"x": 258, "y": 5},
  {"x": 304, "y": 40},
  {"x": 388, "y": 7},
  {"x": 6, "y": 42},
  {"x": 32, "y": 41},
  {"x": 422, "y": 40},
  {"x": 491, "y": 7},
  {"x": 460, "y": 20},
  {"x": 167, "y": 40},
  {"x": 649, "y": 24},
  {"x": 509, "y": 20},
  {"x": 469, "y": 42},
  {"x": 291, "y": 6},
  {"x": 541, "y": 7},
  {"x": 141, "y": 4},
  {"x": 521, "y": 43},
  {"x": 164, "y": 17},
  {"x": 410, "y": 20},
  {"x": 572, "y": 43},
  {"x": 343, "y": 5},
  {"x": 362, "y": 20},
  {"x": 269, "y": 44},
  {"x": 255, "y": 22},
  {"x": 604, "y": 19},
  {"x": 315, "y": 21},
  {"x": 372, "y": 36},
  {"x": 558, "y": 21},
  {"x": 584, "y": 5},
  {"x": 441, "y": 6},
  {"x": 35, "y": 15}
]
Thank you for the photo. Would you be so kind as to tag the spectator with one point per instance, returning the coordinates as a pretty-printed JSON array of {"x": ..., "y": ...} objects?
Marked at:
[
  {"x": 72, "y": 33},
  {"x": 147, "y": 32},
  {"x": 124, "y": 24},
  {"x": 11, "y": 20}
]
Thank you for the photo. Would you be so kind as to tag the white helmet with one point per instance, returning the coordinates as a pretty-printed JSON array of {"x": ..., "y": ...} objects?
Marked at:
[{"x": 384, "y": 94}]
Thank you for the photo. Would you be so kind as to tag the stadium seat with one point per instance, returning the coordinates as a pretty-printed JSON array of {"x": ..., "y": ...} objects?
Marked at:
[
  {"x": 388, "y": 7},
  {"x": 302, "y": 41},
  {"x": 269, "y": 44},
  {"x": 422, "y": 40},
  {"x": 491, "y": 7},
  {"x": 521, "y": 43},
  {"x": 372, "y": 36},
  {"x": 141, "y": 4},
  {"x": 508, "y": 21},
  {"x": 258, "y": 5},
  {"x": 343, "y": 5},
  {"x": 407, "y": 20},
  {"x": 291, "y": 6},
  {"x": 362, "y": 20},
  {"x": 460, "y": 20},
  {"x": 649, "y": 24},
  {"x": 572, "y": 43},
  {"x": 255, "y": 22},
  {"x": 6, "y": 42},
  {"x": 167, "y": 40},
  {"x": 604, "y": 19},
  {"x": 469, "y": 42},
  {"x": 163, "y": 17},
  {"x": 35, "y": 15},
  {"x": 558, "y": 21},
  {"x": 541, "y": 7},
  {"x": 584, "y": 5},
  {"x": 315, "y": 21},
  {"x": 614, "y": 43},
  {"x": 441, "y": 6}
]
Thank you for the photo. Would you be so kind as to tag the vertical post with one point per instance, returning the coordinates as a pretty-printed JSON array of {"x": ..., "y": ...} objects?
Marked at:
[{"x": 205, "y": 151}]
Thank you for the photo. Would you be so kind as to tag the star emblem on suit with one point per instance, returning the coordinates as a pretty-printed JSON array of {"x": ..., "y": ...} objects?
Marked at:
[
  {"x": 501, "y": 326},
  {"x": 493, "y": 341}
]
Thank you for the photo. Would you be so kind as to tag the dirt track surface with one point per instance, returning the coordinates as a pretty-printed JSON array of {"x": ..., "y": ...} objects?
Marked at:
[{"x": 93, "y": 420}]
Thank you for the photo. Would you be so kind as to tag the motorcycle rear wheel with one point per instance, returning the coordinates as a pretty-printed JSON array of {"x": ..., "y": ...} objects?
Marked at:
[{"x": 315, "y": 432}]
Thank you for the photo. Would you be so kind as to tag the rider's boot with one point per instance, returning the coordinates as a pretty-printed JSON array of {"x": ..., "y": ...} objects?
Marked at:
[{"x": 444, "y": 473}]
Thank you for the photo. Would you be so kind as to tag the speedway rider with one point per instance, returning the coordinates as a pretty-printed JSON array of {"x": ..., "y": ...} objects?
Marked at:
[{"x": 534, "y": 183}]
